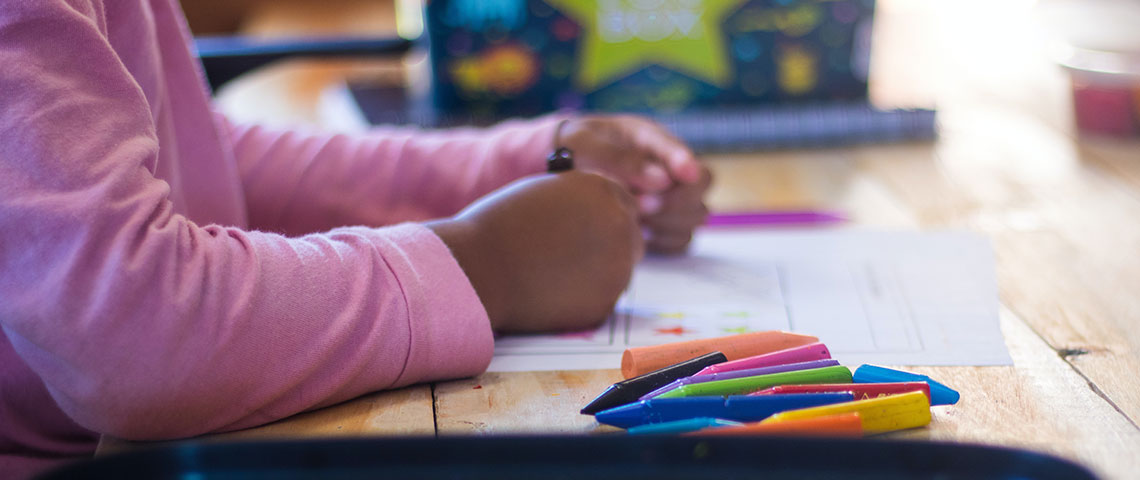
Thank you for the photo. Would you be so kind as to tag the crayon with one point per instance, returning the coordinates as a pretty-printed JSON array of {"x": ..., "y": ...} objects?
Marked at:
[
  {"x": 751, "y": 372},
  {"x": 640, "y": 360},
  {"x": 738, "y": 408},
  {"x": 745, "y": 385},
  {"x": 883, "y": 414},
  {"x": 776, "y": 217},
  {"x": 627, "y": 391},
  {"x": 862, "y": 391},
  {"x": 681, "y": 426},
  {"x": 939, "y": 394},
  {"x": 841, "y": 425},
  {"x": 803, "y": 353}
]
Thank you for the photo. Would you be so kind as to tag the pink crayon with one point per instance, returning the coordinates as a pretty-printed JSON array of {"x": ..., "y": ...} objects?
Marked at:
[
  {"x": 804, "y": 353},
  {"x": 748, "y": 372}
]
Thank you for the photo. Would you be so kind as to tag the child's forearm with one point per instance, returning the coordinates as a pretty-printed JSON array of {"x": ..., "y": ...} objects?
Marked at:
[{"x": 305, "y": 182}]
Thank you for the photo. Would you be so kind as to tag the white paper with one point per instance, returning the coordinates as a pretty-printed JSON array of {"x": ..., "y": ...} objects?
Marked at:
[{"x": 889, "y": 298}]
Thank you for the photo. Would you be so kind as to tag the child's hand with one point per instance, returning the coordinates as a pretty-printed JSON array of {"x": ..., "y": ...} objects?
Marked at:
[
  {"x": 682, "y": 209},
  {"x": 656, "y": 167},
  {"x": 547, "y": 253}
]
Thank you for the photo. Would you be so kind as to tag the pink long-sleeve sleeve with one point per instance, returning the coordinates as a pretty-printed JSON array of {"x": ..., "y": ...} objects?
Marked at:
[
  {"x": 130, "y": 285},
  {"x": 305, "y": 182}
]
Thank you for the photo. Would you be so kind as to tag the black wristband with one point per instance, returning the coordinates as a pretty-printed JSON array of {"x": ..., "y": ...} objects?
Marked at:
[{"x": 560, "y": 161}]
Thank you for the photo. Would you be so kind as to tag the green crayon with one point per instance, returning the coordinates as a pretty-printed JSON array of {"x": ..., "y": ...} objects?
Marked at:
[{"x": 745, "y": 385}]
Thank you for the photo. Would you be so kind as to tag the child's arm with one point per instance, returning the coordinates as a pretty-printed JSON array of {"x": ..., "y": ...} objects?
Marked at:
[
  {"x": 300, "y": 182},
  {"x": 145, "y": 325}
]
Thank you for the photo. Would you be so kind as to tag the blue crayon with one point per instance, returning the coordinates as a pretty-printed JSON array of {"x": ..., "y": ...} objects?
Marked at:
[
  {"x": 681, "y": 426},
  {"x": 751, "y": 372},
  {"x": 939, "y": 394},
  {"x": 741, "y": 408}
]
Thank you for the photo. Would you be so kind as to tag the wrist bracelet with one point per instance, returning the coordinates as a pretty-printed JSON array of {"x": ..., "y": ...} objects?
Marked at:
[{"x": 562, "y": 159}]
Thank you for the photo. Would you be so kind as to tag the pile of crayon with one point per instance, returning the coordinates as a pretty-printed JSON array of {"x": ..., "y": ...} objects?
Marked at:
[{"x": 762, "y": 383}]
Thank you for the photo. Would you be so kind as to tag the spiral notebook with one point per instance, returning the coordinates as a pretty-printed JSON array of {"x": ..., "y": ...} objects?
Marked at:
[{"x": 760, "y": 127}]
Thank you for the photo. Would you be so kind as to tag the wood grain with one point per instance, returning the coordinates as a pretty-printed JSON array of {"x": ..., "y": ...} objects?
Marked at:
[
  {"x": 358, "y": 18},
  {"x": 290, "y": 18},
  {"x": 405, "y": 411},
  {"x": 1063, "y": 228},
  {"x": 1040, "y": 403},
  {"x": 815, "y": 179},
  {"x": 521, "y": 402},
  {"x": 316, "y": 88},
  {"x": 1060, "y": 208}
]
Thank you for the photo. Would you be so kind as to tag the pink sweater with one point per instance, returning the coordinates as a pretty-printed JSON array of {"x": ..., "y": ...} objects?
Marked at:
[{"x": 164, "y": 273}]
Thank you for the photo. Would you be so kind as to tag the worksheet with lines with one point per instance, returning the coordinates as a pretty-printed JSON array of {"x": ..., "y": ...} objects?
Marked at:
[{"x": 891, "y": 298}]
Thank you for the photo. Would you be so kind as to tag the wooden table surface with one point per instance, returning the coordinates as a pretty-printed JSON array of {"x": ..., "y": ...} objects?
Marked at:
[{"x": 1062, "y": 211}]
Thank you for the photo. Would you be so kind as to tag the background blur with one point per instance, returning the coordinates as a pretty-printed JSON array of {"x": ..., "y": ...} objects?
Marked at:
[
  {"x": 952, "y": 55},
  {"x": 290, "y": 17}
]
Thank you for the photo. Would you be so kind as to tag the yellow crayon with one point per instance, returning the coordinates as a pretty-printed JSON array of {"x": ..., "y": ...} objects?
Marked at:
[{"x": 882, "y": 414}]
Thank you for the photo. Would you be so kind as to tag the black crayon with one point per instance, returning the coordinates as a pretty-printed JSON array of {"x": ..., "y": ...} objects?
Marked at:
[{"x": 627, "y": 391}]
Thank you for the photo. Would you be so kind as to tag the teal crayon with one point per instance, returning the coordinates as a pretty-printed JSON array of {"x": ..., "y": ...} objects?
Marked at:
[
  {"x": 939, "y": 394},
  {"x": 681, "y": 426}
]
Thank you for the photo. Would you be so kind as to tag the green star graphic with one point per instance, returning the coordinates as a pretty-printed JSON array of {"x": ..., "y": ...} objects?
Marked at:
[{"x": 620, "y": 37}]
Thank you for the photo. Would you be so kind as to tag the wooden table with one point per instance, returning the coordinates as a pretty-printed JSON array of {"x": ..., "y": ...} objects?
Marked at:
[{"x": 1063, "y": 214}]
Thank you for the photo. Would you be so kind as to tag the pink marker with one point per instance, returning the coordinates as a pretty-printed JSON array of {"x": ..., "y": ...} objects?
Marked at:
[{"x": 805, "y": 353}]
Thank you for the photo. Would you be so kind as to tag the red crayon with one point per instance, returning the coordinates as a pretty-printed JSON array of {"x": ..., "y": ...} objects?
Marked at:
[{"x": 862, "y": 391}]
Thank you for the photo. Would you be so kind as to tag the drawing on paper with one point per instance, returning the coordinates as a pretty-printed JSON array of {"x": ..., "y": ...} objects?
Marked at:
[{"x": 874, "y": 297}]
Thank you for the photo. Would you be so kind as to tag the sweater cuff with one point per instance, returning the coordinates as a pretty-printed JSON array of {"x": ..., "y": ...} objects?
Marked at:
[{"x": 450, "y": 332}]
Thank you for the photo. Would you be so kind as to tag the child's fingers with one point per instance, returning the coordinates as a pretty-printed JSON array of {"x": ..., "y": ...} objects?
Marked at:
[
  {"x": 650, "y": 177},
  {"x": 635, "y": 152},
  {"x": 640, "y": 172},
  {"x": 669, "y": 244},
  {"x": 649, "y": 204},
  {"x": 613, "y": 156},
  {"x": 681, "y": 210},
  {"x": 676, "y": 220},
  {"x": 671, "y": 152},
  {"x": 685, "y": 196}
]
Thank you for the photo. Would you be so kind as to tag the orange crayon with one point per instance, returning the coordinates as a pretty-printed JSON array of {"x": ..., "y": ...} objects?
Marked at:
[
  {"x": 640, "y": 360},
  {"x": 842, "y": 425}
]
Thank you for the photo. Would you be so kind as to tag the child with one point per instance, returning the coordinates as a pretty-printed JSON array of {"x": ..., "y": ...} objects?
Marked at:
[{"x": 165, "y": 273}]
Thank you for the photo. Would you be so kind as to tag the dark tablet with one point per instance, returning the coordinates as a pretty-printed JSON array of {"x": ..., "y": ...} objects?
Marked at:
[{"x": 576, "y": 457}]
